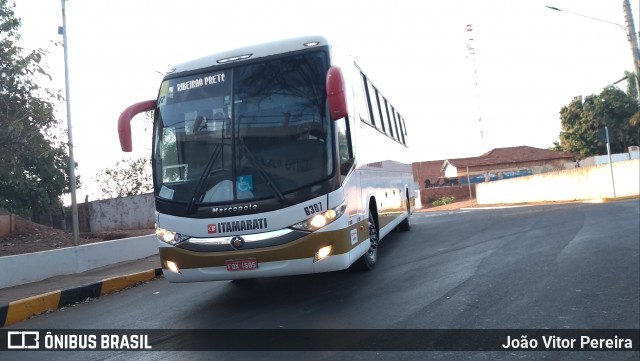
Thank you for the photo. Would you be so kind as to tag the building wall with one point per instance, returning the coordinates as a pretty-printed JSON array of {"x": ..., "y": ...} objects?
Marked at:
[
  {"x": 535, "y": 167},
  {"x": 134, "y": 212},
  {"x": 430, "y": 170},
  {"x": 604, "y": 159},
  {"x": 573, "y": 184}
]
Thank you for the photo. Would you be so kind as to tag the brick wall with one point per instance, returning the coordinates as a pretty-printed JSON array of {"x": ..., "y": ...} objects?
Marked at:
[
  {"x": 431, "y": 170},
  {"x": 461, "y": 193}
]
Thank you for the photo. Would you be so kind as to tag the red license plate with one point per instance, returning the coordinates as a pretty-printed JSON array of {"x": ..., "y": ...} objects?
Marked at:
[{"x": 241, "y": 264}]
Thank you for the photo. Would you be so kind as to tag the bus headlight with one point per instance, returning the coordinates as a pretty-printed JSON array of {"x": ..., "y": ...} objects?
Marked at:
[
  {"x": 170, "y": 237},
  {"x": 321, "y": 219}
]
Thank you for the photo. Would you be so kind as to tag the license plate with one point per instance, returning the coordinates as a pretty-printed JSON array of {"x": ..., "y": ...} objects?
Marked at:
[{"x": 241, "y": 264}]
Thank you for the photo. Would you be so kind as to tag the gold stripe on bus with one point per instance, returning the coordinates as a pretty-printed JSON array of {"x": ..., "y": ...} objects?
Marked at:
[
  {"x": 386, "y": 218},
  {"x": 305, "y": 247}
]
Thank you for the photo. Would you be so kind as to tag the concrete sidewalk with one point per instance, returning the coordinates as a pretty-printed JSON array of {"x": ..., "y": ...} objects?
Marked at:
[{"x": 19, "y": 303}]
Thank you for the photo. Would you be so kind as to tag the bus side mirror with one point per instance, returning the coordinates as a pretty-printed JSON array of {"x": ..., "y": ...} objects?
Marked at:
[
  {"x": 124, "y": 122},
  {"x": 335, "y": 94}
]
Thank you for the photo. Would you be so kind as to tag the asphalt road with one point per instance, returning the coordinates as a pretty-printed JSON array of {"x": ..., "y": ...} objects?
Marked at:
[{"x": 566, "y": 266}]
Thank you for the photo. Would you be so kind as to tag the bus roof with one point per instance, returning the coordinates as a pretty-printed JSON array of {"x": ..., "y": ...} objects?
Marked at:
[{"x": 251, "y": 52}]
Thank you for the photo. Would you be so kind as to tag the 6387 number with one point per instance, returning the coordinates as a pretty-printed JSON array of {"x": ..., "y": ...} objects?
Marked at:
[{"x": 313, "y": 209}]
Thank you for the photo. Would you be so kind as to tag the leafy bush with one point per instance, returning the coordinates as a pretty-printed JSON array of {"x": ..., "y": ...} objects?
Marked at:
[
  {"x": 442, "y": 201},
  {"x": 448, "y": 200}
]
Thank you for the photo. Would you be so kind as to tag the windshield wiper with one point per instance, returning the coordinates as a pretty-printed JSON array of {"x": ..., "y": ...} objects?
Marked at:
[
  {"x": 281, "y": 198},
  {"x": 212, "y": 160}
]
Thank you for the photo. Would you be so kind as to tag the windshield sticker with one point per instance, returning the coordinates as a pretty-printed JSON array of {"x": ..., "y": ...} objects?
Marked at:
[
  {"x": 164, "y": 90},
  {"x": 245, "y": 183},
  {"x": 200, "y": 82},
  {"x": 166, "y": 193}
]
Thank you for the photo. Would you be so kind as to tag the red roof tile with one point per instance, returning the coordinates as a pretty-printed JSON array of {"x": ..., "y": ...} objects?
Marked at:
[{"x": 510, "y": 155}]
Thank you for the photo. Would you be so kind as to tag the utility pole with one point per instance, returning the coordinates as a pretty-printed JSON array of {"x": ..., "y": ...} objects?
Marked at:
[
  {"x": 633, "y": 42},
  {"x": 72, "y": 163},
  {"x": 613, "y": 183}
]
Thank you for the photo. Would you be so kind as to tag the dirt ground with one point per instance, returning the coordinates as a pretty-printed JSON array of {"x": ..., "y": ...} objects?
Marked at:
[{"x": 31, "y": 237}]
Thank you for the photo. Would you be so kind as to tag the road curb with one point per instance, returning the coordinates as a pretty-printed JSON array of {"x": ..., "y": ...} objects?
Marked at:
[
  {"x": 546, "y": 203},
  {"x": 624, "y": 198},
  {"x": 25, "y": 308}
]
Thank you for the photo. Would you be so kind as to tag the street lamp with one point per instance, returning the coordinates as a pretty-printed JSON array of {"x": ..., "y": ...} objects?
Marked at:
[
  {"x": 631, "y": 36},
  {"x": 588, "y": 17}
]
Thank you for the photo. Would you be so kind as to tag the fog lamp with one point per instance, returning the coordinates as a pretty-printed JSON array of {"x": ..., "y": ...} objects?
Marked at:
[
  {"x": 322, "y": 253},
  {"x": 172, "y": 266}
]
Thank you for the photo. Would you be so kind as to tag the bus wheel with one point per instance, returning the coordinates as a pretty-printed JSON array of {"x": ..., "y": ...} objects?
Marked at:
[
  {"x": 405, "y": 225},
  {"x": 368, "y": 260}
]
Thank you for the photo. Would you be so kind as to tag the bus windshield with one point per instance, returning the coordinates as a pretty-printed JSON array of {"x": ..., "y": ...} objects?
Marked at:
[{"x": 242, "y": 134}]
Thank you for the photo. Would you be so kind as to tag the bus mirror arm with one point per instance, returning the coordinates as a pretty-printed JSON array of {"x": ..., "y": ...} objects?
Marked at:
[
  {"x": 335, "y": 93},
  {"x": 124, "y": 122}
]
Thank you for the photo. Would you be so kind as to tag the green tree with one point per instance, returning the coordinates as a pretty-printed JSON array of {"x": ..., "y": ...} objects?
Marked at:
[
  {"x": 634, "y": 122},
  {"x": 33, "y": 161},
  {"x": 128, "y": 178},
  {"x": 631, "y": 85},
  {"x": 582, "y": 119}
]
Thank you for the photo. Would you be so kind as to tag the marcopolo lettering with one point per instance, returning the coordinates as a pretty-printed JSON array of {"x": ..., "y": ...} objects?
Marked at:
[
  {"x": 235, "y": 209},
  {"x": 239, "y": 226}
]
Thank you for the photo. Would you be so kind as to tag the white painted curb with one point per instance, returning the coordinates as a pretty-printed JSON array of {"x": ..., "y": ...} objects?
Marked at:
[{"x": 31, "y": 267}]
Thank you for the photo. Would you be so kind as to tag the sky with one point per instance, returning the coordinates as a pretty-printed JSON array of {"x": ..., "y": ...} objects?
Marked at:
[{"x": 527, "y": 61}]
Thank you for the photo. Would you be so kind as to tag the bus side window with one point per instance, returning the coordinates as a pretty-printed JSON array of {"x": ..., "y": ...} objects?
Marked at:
[
  {"x": 375, "y": 108},
  {"x": 392, "y": 118},
  {"x": 385, "y": 114},
  {"x": 363, "y": 106},
  {"x": 367, "y": 99},
  {"x": 403, "y": 128},
  {"x": 345, "y": 149}
]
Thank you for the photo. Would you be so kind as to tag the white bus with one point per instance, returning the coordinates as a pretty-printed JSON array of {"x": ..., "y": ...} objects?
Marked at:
[{"x": 271, "y": 160}]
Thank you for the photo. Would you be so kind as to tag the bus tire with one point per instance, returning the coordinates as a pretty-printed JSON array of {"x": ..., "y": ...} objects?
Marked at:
[
  {"x": 405, "y": 225},
  {"x": 368, "y": 260}
]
